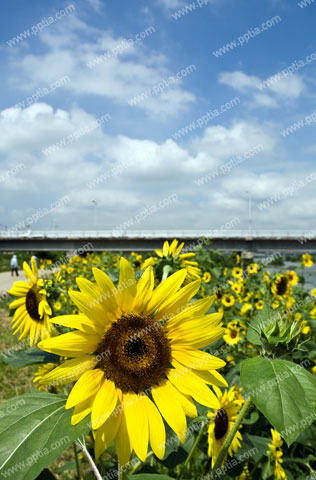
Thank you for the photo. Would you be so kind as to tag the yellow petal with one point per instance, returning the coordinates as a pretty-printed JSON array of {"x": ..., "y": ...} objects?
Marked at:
[
  {"x": 189, "y": 384},
  {"x": 80, "y": 322},
  {"x": 176, "y": 302},
  {"x": 81, "y": 411},
  {"x": 122, "y": 442},
  {"x": 105, "y": 435},
  {"x": 165, "y": 249},
  {"x": 72, "y": 344},
  {"x": 196, "y": 359},
  {"x": 17, "y": 303},
  {"x": 179, "y": 248},
  {"x": 157, "y": 432},
  {"x": 104, "y": 403},
  {"x": 87, "y": 287},
  {"x": 173, "y": 246},
  {"x": 127, "y": 286},
  {"x": 165, "y": 290},
  {"x": 188, "y": 405},
  {"x": 34, "y": 267},
  {"x": 137, "y": 423},
  {"x": 90, "y": 307},
  {"x": 144, "y": 290},
  {"x": 211, "y": 377},
  {"x": 108, "y": 292},
  {"x": 31, "y": 277},
  {"x": 194, "y": 309},
  {"x": 69, "y": 371},
  {"x": 167, "y": 401},
  {"x": 86, "y": 387}
]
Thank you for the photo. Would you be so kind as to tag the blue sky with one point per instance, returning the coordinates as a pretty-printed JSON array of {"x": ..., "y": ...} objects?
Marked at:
[{"x": 107, "y": 114}]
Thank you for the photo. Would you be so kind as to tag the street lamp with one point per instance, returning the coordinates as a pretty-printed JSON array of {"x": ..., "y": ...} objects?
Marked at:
[
  {"x": 249, "y": 213},
  {"x": 94, "y": 202}
]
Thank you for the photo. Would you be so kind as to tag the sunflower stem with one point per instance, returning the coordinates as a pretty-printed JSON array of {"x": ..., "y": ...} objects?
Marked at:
[
  {"x": 195, "y": 444},
  {"x": 90, "y": 460},
  {"x": 166, "y": 270},
  {"x": 77, "y": 462},
  {"x": 230, "y": 436}
]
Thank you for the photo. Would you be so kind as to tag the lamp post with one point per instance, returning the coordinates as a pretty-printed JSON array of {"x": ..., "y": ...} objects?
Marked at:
[
  {"x": 249, "y": 213},
  {"x": 94, "y": 202}
]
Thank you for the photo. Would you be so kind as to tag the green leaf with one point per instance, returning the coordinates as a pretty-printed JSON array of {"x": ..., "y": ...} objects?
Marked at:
[
  {"x": 253, "y": 447},
  {"x": 283, "y": 391},
  {"x": 34, "y": 430},
  {"x": 259, "y": 321},
  {"x": 21, "y": 358}
]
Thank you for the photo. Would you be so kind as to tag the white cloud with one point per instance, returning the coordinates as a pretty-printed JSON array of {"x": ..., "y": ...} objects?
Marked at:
[
  {"x": 151, "y": 172},
  {"x": 238, "y": 80},
  {"x": 96, "y": 5},
  {"x": 171, "y": 4},
  {"x": 276, "y": 91},
  {"x": 127, "y": 70},
  {"x": 290, "y": 87}
]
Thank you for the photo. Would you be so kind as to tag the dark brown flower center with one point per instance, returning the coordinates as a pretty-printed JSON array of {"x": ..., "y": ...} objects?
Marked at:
[
  {"x": 281, "y": 286},
  {"x": 134, "y": 353},
  {"x": 221, "y": 424},
  {"x": 32, "y": 302},
  {"x": 233, "y": 333}
]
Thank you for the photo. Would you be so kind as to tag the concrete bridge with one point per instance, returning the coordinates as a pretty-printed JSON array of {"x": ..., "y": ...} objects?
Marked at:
[{"x": 142, "y": 240}]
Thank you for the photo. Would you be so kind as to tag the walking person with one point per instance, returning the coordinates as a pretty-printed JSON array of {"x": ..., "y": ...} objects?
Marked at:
[{"x": 14, "y": 266}]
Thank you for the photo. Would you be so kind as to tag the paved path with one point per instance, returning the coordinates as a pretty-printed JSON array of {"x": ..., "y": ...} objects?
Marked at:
[{"x": 6, "y": 280}]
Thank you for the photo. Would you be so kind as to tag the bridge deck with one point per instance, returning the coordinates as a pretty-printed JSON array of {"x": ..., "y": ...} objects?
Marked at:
[{"x": 237, "y": 240}]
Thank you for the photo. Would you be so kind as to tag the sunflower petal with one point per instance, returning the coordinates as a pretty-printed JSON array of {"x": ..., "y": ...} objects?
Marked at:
[
  {"x": 90, "y": 307},
  {"x": 137, "y": 423},
  {"x": 81, "y": 411},
  {"x": 122, "y": 442},
  {"x": 108, "y": 291},
  {"x": 157, "y": 431},
  {"x": 165, "y": 290},
  {"x": 180, "y": 299},
  {"x": 190, "y": 384},
  {"x": 69, "y": 371},
  {"x": 144, "y": 290},
  {"x": 87, "y": 386},
  {"x": 167, "y": 401},
  {"x": 80, "y": 322},
  {"x": 194, "y": 309},
  {"x": 105, "y": 435},
  {"x": 196, "y": 359},
  {"x": 72, "y": 344},
  {"x": 127, "y": 286},
  {"x": 104, "y": 403}
]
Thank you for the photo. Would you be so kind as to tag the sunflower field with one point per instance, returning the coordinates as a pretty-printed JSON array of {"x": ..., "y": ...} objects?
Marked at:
[{"x": 177, "y": 364}]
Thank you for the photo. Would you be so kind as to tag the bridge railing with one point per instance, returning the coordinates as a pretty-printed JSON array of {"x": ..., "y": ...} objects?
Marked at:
[{"x": 163, "y": 234}]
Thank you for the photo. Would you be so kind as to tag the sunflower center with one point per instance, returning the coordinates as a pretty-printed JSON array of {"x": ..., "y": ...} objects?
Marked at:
[
  {"x": 221, "y": 424},
  {"x": 282, "y": 286},
  {"x": 32, "y": 302},
  {"x": 134, "y": 353},
  {"x": 233, "y": 333}
]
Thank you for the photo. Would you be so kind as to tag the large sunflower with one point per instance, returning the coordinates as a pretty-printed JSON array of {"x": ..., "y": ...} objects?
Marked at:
[
  {"x": 221, "y": 421},
  {"x": 135, "y": 357},
  {"x": 171, "y": 255},
  {"x": 31, "y": 318}
]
